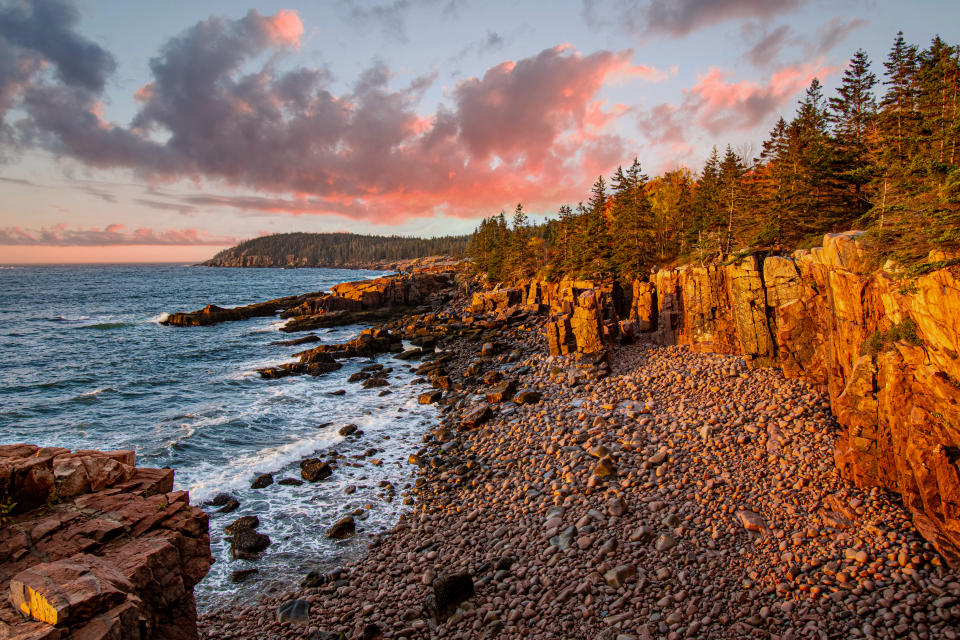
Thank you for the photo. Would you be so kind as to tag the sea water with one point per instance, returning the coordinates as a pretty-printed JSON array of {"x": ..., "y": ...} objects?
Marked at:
[{"x": 84, "y": 363}]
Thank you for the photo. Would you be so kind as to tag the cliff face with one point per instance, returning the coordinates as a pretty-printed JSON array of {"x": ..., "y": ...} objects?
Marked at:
[
  {"x": 93, "y": 547},
  {"x": 885, "y": 350}
]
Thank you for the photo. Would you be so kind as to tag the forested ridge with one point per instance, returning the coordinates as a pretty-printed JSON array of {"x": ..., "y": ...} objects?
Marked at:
[
  {"x": 880, "y": 155},
  {"x": 334, "y": 250}
]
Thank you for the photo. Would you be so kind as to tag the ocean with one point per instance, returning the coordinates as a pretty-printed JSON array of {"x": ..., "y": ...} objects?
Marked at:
[{"x": 85, "y": 364}]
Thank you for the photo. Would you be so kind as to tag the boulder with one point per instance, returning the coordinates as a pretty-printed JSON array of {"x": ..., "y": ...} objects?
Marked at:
[
  {"x": 115, "y": 554},
  {"x": 430, "y": 397},
  {"x": 587, "y": 324},
  {"x": 343, "y": 528},
  {"x": 262, "y": 481},
  {"x": 449, "y": 591},
  {"x": 502, "y": 392},
  {"x": 315, "y": 470},
  {"x": 527, "y": 396},
  {"x": 476, "y": 416},
  {"x": 248, "y": 544}
]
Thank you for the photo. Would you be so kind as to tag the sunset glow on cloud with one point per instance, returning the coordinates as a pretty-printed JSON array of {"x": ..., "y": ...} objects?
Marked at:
[{"x": 242, "y": 116}]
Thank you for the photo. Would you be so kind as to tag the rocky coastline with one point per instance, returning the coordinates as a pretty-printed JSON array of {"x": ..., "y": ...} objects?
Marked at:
[
  {"x": 624, "y": 487},
  {"x": 632, "y": 491},
  {"x": 760, "y": 449}
]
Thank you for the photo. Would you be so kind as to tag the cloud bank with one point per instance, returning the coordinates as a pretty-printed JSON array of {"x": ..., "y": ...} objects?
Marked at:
[
  {"x": 530, "y": 129},
  {"x": 113, "y": 235}
]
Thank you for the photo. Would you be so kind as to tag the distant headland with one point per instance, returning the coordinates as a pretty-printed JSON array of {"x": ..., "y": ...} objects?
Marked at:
[{"x": 336, "y": 250}]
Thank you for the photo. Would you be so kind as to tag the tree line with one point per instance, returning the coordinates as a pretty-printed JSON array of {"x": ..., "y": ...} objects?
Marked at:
[
  {"x": 335, "y": 249},
  {"x": 880, "y": 155}
]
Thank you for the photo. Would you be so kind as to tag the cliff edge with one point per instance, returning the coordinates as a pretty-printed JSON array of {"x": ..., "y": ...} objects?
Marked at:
[
  {"x": 94, "y": 547},
  {"x": 885, "y": 348}
]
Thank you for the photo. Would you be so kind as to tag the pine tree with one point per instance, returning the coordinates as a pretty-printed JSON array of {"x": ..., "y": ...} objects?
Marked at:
[
  {"x": 707, "y": 209},
  {"x": 520, "y": 264},
  {"x": 598, "y": 242},
  {"x": 937, "y": 80},
  {"x": 898, "y": 107},
  {"x": 732, "y": 171},
  {"x": 776, "y": 184},
  {"x": 631, "y": 224},
  {"x": 853, "y": 115}
]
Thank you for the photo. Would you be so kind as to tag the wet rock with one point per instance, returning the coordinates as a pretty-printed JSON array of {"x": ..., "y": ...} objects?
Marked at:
[
  {"x": 315, "y": 470},
  {"x": 241, "y": 575},
  {"x": 230, "y": 506},
  {"x": 430, "y": 397},
  {"x": 220, "y": 500},
  {"x": 343, "y": 528},
  {"x": 243, "y": 522},
  {"x": 290, "y": 482},
  {"x": 314, "y": 579},
  {"x": 347, "y": 429},
  {"x": 262, "y": 481},
  {"x": 375, "y": 382},
  {"x": 248, "y": 544}
]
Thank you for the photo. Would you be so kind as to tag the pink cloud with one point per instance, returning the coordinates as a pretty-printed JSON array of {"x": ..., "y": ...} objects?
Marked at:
[
  {"x": 724, "y": 106},
  {"x": 534, "y": 129},
  {"x": 286, "y": 27}
]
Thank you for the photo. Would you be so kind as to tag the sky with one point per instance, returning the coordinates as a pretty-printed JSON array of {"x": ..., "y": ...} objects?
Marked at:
[{"x": 164, "y": 132}]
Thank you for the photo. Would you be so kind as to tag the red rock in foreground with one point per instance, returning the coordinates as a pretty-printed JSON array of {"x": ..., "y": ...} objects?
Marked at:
[{"x": 93, "y": 547}]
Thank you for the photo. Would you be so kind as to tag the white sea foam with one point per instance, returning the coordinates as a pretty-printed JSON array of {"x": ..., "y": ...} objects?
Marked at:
[
  {"x": 270, "y": 328},
  {"x": 94, "y": 393}
]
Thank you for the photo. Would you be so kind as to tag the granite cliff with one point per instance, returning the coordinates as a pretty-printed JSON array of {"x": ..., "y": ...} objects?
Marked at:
[
  {"x": 94, "y": 547},
  {"x": 883, "y": 346}
]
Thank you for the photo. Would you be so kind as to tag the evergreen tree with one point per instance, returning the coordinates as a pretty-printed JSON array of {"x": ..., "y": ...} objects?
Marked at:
[
  {"x": 631, "y": 221},
  {"x": 898, "y": 107},
  {"x": 732, "y": 171},
  {"x": 598, "y": 243},
  {"x": 853, "y": 115}
]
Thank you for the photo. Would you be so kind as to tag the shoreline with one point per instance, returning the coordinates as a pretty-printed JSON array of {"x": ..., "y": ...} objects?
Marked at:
[{"x": 692, "y": 506}]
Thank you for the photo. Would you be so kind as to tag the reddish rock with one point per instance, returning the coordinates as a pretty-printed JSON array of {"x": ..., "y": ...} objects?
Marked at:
[
  {"x": 586, "y": 323},
  {"x": 113, "y": 553}
]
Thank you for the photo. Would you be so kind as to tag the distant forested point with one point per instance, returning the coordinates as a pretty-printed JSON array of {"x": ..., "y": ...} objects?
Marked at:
[
  {"x": 882, "y": 155},
  {"x": 335, "y": 250}
]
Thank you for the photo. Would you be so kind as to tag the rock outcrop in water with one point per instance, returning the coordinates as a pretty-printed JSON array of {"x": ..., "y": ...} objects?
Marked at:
[
  {"x": 212, "y": 314},
  {"x": 363, "y": 301},
  {"x": 94, "y": 547}
]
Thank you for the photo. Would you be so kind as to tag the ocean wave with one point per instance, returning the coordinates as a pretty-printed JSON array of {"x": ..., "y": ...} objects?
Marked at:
[
  {"x": 273, "y": 326},
  {"x": 160, "y": 317},
  {"x": 90, "y": 395},
  {"x": 237, "y": 473},
  {"x": 67, "y": 318}
]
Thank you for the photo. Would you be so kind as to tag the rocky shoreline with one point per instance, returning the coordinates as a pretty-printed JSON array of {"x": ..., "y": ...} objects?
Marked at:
[
  {"x": 685, "y": 495},
  {"x": 94, "y": 547},
  {"x": 603, "y": 467}
]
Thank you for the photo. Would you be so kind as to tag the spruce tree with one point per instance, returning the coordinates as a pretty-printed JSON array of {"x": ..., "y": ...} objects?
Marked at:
[{"x": 854, "y": 145}]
